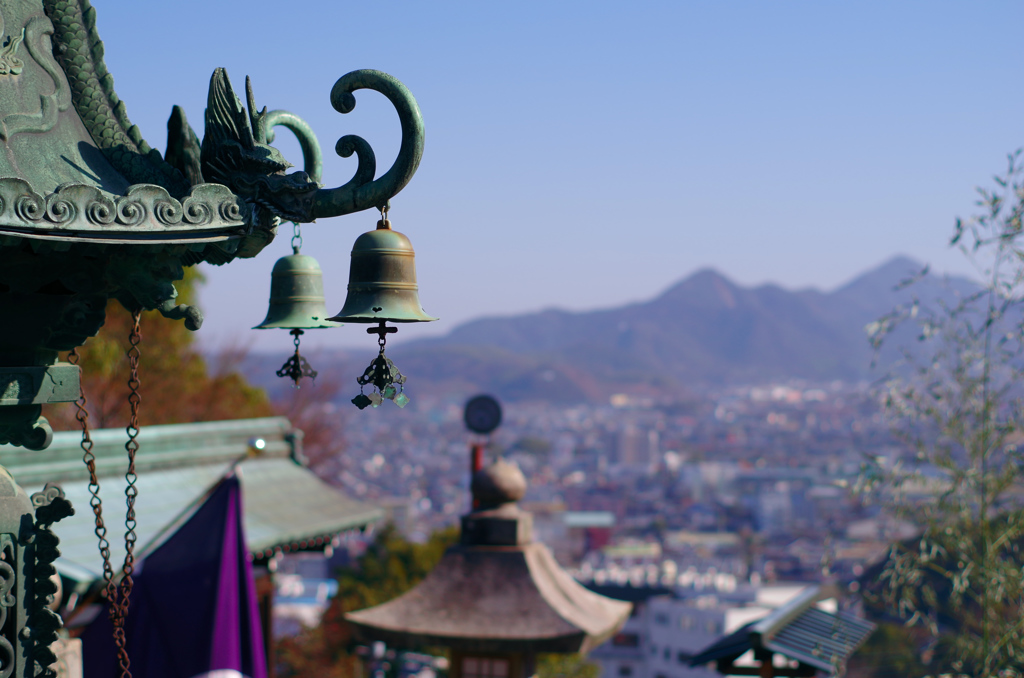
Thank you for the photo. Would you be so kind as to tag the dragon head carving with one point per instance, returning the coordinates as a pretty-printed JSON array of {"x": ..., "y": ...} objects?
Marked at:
[{"x": 235, "y": 153}]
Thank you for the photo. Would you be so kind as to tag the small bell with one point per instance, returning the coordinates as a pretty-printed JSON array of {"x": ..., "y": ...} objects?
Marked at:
[
  {"x": 382, "y": 288},
  {"x": 296, "y": 304},
  {"x": 296, "y": 295},
  {"x": 382, "y": 280}
]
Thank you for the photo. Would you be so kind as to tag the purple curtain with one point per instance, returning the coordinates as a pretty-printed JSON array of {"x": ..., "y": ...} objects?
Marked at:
[{"x": 194, "y": 608}]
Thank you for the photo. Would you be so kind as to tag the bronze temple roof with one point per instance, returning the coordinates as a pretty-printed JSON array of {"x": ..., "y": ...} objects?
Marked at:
[{"x": 497, "y": 591}]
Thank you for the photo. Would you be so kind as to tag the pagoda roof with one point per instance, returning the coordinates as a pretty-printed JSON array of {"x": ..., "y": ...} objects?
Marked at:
[
  {"x": 498, "y": 590},
  {"x": 496, "y": 599}
]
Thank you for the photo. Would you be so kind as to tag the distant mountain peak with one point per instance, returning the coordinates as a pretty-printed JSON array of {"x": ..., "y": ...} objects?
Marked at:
[
  {"x": 900, "y": 261},
  {"x": 702, "y": 288},
  {"x": 705, "y": 329},
  {"x": 878, "y": 283}
]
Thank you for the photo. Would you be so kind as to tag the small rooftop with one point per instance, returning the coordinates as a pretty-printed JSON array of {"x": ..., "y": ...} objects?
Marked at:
[
  {"x": 815, "y": 639},
  {"x": 497, "y": 590},
  {"x": 287, "y": 508}
]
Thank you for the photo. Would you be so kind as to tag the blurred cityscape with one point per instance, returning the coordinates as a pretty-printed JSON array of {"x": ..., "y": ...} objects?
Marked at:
[
  {"x": 750, "y": 481},
  {"x": 706, "y": 512}
]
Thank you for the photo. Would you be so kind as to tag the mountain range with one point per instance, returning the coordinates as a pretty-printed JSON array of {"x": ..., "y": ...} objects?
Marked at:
[{"x": 703, "y": 331}]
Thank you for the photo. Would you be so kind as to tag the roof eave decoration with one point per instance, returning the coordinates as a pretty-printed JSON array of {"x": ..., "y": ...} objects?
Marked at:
[
  {"x": 89, "y": 211},
  {"x": 76, "y": 171},
  {"x": 80, "y": 213}
]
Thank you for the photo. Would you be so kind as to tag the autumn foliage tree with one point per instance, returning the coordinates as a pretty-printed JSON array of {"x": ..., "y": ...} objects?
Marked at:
[{"x": 177, "y": 384}]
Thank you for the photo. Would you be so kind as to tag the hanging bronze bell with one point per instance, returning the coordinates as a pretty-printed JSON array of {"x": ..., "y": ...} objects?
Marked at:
[
  {"x": 296, "y": 295},
  {"x": 382, "y": 280}
]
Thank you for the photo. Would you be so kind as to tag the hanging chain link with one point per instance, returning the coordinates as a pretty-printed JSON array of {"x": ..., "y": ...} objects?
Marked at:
[
  {"x": 121, "y": 598},
  {"x": 118, "y": 599},
  {"x": 296, "y": 237},
  {"x": 82, "y": 415}
]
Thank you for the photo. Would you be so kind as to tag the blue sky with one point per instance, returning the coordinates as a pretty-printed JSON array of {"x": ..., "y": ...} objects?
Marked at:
[{"x": 586, "y": 154}]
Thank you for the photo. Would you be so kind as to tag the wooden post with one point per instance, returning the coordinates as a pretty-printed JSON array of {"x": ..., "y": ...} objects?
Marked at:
[{"x": 767, "y": 666}]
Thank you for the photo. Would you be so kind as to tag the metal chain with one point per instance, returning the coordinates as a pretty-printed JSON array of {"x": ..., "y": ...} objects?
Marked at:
[
  {"x": 82, "y": 415},
  {"x": 296, "y": 237},
  {"x": 130, "y": 493}
]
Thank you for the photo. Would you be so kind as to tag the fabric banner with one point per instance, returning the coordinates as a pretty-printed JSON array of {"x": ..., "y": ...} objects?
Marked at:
[{"x": 194, "y": 610}]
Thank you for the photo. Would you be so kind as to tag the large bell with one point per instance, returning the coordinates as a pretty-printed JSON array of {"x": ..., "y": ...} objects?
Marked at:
[
  {"x": 382, "y": 280},
  {"x": 296, "y": 295}
]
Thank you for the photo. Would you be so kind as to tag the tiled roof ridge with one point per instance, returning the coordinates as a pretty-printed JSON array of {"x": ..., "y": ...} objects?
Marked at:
[{"x": 161, "y": 447}]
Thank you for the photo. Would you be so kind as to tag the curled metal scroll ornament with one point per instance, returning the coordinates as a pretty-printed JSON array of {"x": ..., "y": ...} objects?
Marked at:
[
  {"x": 59, "y": 210},
  {"x": 196, "y": 212},
  {"x": 130, "y": 212},
  {"x": 362, "y": 191},
  {"x": 312, "y": 156},
  {"x": 30, "y": 207},
  {"x": 230, "y": 210},
  {"x": 100, "y": 211},
  {"x": 75, "y": 207},
  {"x": 168, "y": 212}
]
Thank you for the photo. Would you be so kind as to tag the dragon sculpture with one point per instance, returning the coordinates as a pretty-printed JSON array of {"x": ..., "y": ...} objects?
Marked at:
[
  {"x": 116, "y": 219},
  {"x": 235, "y": 152}
]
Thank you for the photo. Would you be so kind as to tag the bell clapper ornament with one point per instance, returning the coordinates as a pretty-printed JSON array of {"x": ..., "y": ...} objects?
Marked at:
[
  {"x": 296, "y": 304},
  {"x": 382, "y": 288},
  {"x": 388, "y": 382},
  {"x": 297, "y": 367}
]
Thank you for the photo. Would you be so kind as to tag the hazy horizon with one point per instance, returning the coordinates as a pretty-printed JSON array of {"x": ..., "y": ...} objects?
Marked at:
[
  {"x": 317, "y": 340},
  {"x": 589, "y": 154}
]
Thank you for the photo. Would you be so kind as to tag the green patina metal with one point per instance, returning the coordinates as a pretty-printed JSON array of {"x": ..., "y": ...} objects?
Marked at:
[
  {"x": 313, "y": 157},
  {"x": 362, "y": 192},
  {"x": 28, "y": 548},
  {"x": 38, "y": 385},
  {"x": 89, "y": 211},
  {"x": 382, "y": 280},
  {"x": 296, "y": 295},
  {"x": 382, "y": 288}
]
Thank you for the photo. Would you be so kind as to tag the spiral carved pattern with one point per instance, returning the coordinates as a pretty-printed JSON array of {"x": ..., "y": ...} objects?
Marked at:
[
  {"x": 168, "y": 212},
  {"x": 7, "y": 600},
  {"x": 100, "y": 212},
  {"x": 58, "y": 210},
  {"x": 197, "y": 213},
  {"x": 80, "y": 206},
  {"x": 30, "y": 208},
  {"x": 230, "y": 211},
  {"x": 130, "y": 212},
  {"x": 6, "y": 654}
]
